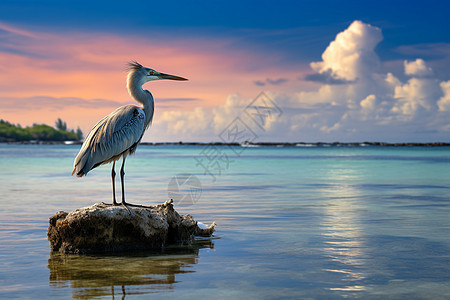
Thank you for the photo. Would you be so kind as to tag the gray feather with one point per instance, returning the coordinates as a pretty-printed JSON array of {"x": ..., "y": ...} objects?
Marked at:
[{"x": 112, "y": 136}]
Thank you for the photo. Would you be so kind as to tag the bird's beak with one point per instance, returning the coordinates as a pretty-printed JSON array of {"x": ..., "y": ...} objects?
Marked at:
[{"x": 171, "y": 77}]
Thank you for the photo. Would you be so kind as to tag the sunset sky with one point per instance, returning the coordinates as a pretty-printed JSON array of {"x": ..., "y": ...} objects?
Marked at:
[{"x": 337, "y": 70}]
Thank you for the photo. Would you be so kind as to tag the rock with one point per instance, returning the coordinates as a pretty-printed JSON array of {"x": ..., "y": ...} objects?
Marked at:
[
  {"x": 105, "y": 228},
  {"x": 203, "y": 230}
]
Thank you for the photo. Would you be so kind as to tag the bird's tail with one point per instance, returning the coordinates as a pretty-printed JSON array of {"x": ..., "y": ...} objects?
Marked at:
[
  {"x": 79, "y": 164},
  {"x": 79, "y": 173}
]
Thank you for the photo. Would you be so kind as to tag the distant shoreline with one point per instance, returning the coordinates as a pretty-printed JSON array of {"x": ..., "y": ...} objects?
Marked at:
[{"x": 273, "y": 144}]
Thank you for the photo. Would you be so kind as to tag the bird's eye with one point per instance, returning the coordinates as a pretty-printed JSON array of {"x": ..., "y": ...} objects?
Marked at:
[{"x": 151, "y": 73}]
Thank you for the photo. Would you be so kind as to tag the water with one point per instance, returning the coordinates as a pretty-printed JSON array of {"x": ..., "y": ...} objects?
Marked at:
[{"x": 293, "y": 222}]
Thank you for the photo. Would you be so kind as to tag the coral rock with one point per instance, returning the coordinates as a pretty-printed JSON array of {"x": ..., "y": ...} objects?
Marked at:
[
  {"x": 203, "y": 230},
  {"x": 106, "y": 228}
]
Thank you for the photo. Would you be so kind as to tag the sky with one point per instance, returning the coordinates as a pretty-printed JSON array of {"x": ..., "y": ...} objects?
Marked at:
[{"x": 279, "y": 71}]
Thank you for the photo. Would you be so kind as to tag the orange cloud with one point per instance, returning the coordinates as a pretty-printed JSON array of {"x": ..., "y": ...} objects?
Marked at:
[
  {"x": 16, "y": 31},
  {"x": 92, "y": 66}
]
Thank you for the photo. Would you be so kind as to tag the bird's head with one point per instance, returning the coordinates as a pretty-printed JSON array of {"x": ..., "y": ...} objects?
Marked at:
[{"x": 144, "y": 74}]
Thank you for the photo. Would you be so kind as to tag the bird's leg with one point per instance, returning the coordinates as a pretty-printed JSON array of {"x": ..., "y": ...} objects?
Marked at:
[
  {"x": 122, "y": 174},
  {"x": 113, "y": 175},
  {"x": 122, "y": 179}
]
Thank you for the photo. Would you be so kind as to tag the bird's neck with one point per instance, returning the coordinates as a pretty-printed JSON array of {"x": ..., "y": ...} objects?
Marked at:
[{"x": 144, "y": 97}]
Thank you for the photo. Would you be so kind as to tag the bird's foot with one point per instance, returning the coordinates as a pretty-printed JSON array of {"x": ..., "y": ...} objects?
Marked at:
[
  {"x": 119, "y": 204},
  {"x": 138, "y": 205},
  {"x": 125, "y": 205}
]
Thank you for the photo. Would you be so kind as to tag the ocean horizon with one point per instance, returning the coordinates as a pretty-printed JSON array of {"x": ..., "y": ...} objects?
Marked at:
[
  {"x": 270, "y": 143},
  {"x": 300, "y": 220}
]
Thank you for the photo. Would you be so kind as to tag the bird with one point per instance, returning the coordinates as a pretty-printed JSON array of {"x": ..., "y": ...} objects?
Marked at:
[{"x": 119, "y": 133}]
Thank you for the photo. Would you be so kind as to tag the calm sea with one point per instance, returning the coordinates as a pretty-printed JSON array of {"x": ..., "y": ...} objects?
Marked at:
[{"x": 292, "y": 222}]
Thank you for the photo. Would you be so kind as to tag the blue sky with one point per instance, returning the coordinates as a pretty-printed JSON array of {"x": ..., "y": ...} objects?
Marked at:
[
  {"x": 268, "y": 46},
  {"x": 403, "y": 22}
]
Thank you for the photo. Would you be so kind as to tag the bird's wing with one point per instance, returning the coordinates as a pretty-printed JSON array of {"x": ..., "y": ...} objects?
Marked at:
[{"x": 113, "y": 135}]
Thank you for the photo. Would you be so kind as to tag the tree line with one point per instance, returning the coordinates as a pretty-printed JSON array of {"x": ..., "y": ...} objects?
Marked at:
[{"x": 38, "y": 132}]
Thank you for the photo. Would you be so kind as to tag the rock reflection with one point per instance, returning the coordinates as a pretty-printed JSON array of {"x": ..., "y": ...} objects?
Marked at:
[{"x": 119, "y": 275}]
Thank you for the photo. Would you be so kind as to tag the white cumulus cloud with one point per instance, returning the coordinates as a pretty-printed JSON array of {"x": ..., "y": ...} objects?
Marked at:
[
  {"x": 359, "y": 99},
  {"x": 444, "y": 101},
  {"x": 368, "y": 103},
  {"x": 416, "y": 95},
  {"x": 351, "y": 54},
  {"x": 417, "y": 68}
]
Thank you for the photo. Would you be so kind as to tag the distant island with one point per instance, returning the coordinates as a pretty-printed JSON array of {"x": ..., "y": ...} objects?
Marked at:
[
  {"x": 303, "y": 144},
  {"x": 44, "y": 134},
  {"x": 261, "y": 144},
  {"x": 38, "y": 133}
]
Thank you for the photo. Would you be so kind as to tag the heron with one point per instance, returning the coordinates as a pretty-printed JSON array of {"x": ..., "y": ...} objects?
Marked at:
[{"x": 119, "y": 133}]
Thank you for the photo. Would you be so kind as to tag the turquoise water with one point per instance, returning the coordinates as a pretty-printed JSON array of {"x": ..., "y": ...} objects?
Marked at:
[{"x": 292, "y": 222}]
